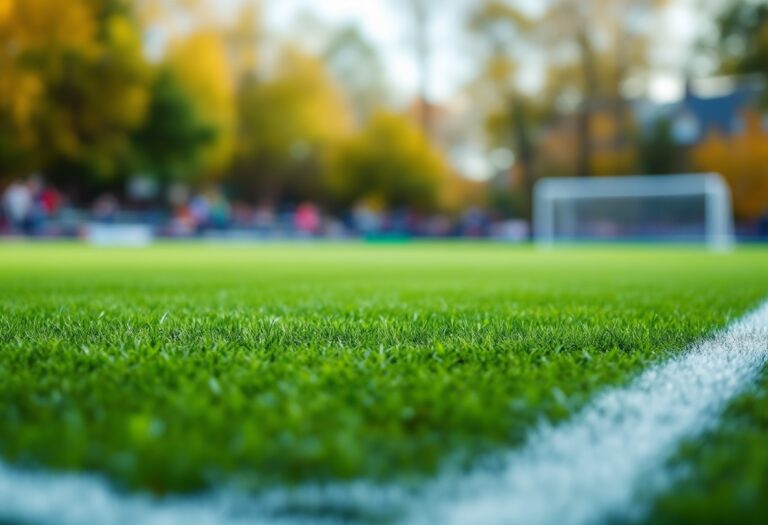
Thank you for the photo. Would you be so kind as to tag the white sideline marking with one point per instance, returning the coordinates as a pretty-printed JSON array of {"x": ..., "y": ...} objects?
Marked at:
[
  {"x": 592, "y": 467},
  {"x": 580, "y": 472}
]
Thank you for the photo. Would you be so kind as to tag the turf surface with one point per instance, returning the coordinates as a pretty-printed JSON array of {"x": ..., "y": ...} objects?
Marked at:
[
  {"x": 185, "y": 366},
  {"x": 723, "y": 477}
]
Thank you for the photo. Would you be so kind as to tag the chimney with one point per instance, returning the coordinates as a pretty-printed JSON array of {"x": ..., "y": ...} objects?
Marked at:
[{"x": 688, "y": 93}]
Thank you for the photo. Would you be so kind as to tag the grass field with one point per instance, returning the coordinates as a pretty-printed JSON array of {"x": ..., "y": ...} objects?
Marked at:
[
  {"x": 726, "y": 477},
  {"x": 183, "y": 367}
]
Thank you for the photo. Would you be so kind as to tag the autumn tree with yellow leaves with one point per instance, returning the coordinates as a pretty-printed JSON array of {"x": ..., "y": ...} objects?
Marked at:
[
  {"x": 391, "y": 162},
  {"x": 74, "y": 83},
  {"x": 741, "y": 45},
  {"x": 199, "y": 61},
  {"x": 743, "y": 160},
  {"x": 289, "y": 122}
]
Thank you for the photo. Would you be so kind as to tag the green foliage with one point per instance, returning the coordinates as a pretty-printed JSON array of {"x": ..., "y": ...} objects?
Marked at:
[
  {"x": 744, "y": 37},
  {"x": 180, "y": 367},
  {"x": 658, "y": 151},
  {"x": 169, "y": 143},
  {"x": 359, "y": 69},
  {"x": 93, "y": 92},
  {"x": 12, "y": 155},
  {"x": 201, "y": 64},
  {"x": 389, "y": 161},
  {"x": 500, "y": 32},
  {"x": 287, "y": 124},
  {"x": 724, "y": 475},
  {"x": 75, "y": 86}
]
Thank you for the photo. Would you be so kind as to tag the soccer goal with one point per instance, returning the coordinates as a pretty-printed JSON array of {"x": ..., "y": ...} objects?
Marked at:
[{"x": 657, "y": 208}]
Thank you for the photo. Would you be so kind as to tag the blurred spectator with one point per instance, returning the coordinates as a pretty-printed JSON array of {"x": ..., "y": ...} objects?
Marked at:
[
  {"x": 366, "y": 220},
  {"x": 397, "y": 221},
  {"x": 306, "y": 219},
  {"x": 183, "y": 223},
  {"x": 437, "y": 226},
  {"x": 474, "y": 223},
  {"x": 105, "y": 208},
  {"x": 265, "y": 218},
  {"x": 17, "y": 204},
  {"x": 242, "y": 215},
  {"x": 762, "y": 226},
  {"x": 513, "y": 230},
  {"x": 50, "y": 201},
  {"x": 220, "y": 211},
  {"x": 40, "y": 208},
  {"x": 333, "y": 229},
  {"x": 178, "y": 195},
  {"x": 200, "y": 210}
]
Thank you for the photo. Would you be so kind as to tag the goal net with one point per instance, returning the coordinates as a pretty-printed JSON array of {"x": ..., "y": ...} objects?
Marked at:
[{"x": 656, "y": 208}]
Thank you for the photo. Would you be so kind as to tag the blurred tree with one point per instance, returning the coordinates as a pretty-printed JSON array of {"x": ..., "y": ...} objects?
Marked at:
[
  {"x": 175, "y": 16},
  {"x": 170, "y": 142},
  {"x": 421, "y": 13},
  {"x": 503, "y": 33},
  {"x": 609, "y": 39},
  {"x": 570, "y": 23},
  {"x": 18, "y": 91},
  {"x": 390, "y": 161},
  {"x": 200, "y": 63},
  {"x": 743, "y": 160},
  {"x": 358, "y": 68},
  {"x": 658, "y": 151},
  {"x": 74, "y": 84},
  {"x": 287, "y": 123},
  {"x": 244, "y": 41},
  {"x": 630, "y": 29},
  {"x": 743, "y": 38},
  {"x": 741, "y": 46}
]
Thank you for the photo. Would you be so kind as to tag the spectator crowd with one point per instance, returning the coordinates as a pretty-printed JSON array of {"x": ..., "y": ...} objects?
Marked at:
[{"x": 33, "y": 208}]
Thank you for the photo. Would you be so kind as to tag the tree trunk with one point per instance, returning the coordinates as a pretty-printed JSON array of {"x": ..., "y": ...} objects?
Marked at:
[
  {"x": 584, "y": 125},
  {"x": 421, "y": 18},
  {"x": 524, "y": 149},
  {"x": 620, "y": 104}
]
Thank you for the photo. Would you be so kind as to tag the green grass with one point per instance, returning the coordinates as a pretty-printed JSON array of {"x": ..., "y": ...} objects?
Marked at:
[
  {"x": 724, "y": 474},
  {"x": 183, "y": 366}
]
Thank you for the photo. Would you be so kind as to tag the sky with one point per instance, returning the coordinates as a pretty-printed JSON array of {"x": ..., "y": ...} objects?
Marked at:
[{"x": 388, "y": 29}]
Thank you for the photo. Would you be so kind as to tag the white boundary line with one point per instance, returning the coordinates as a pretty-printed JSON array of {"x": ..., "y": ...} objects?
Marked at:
[
  {"x": 581, "y": 472},
  {"x": 594, "y": 466}
]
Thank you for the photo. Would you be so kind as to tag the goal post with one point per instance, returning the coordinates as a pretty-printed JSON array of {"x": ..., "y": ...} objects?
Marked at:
[{"x": 656, "y": 208}]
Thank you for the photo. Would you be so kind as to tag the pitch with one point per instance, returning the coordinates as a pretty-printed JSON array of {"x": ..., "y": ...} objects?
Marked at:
[{"x": 183, "y": 368}]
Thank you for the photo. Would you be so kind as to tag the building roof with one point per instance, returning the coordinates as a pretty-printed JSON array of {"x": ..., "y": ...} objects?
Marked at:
[
  {"x": 714, "y": 106},
  {"x": 720, "y": 112}
]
